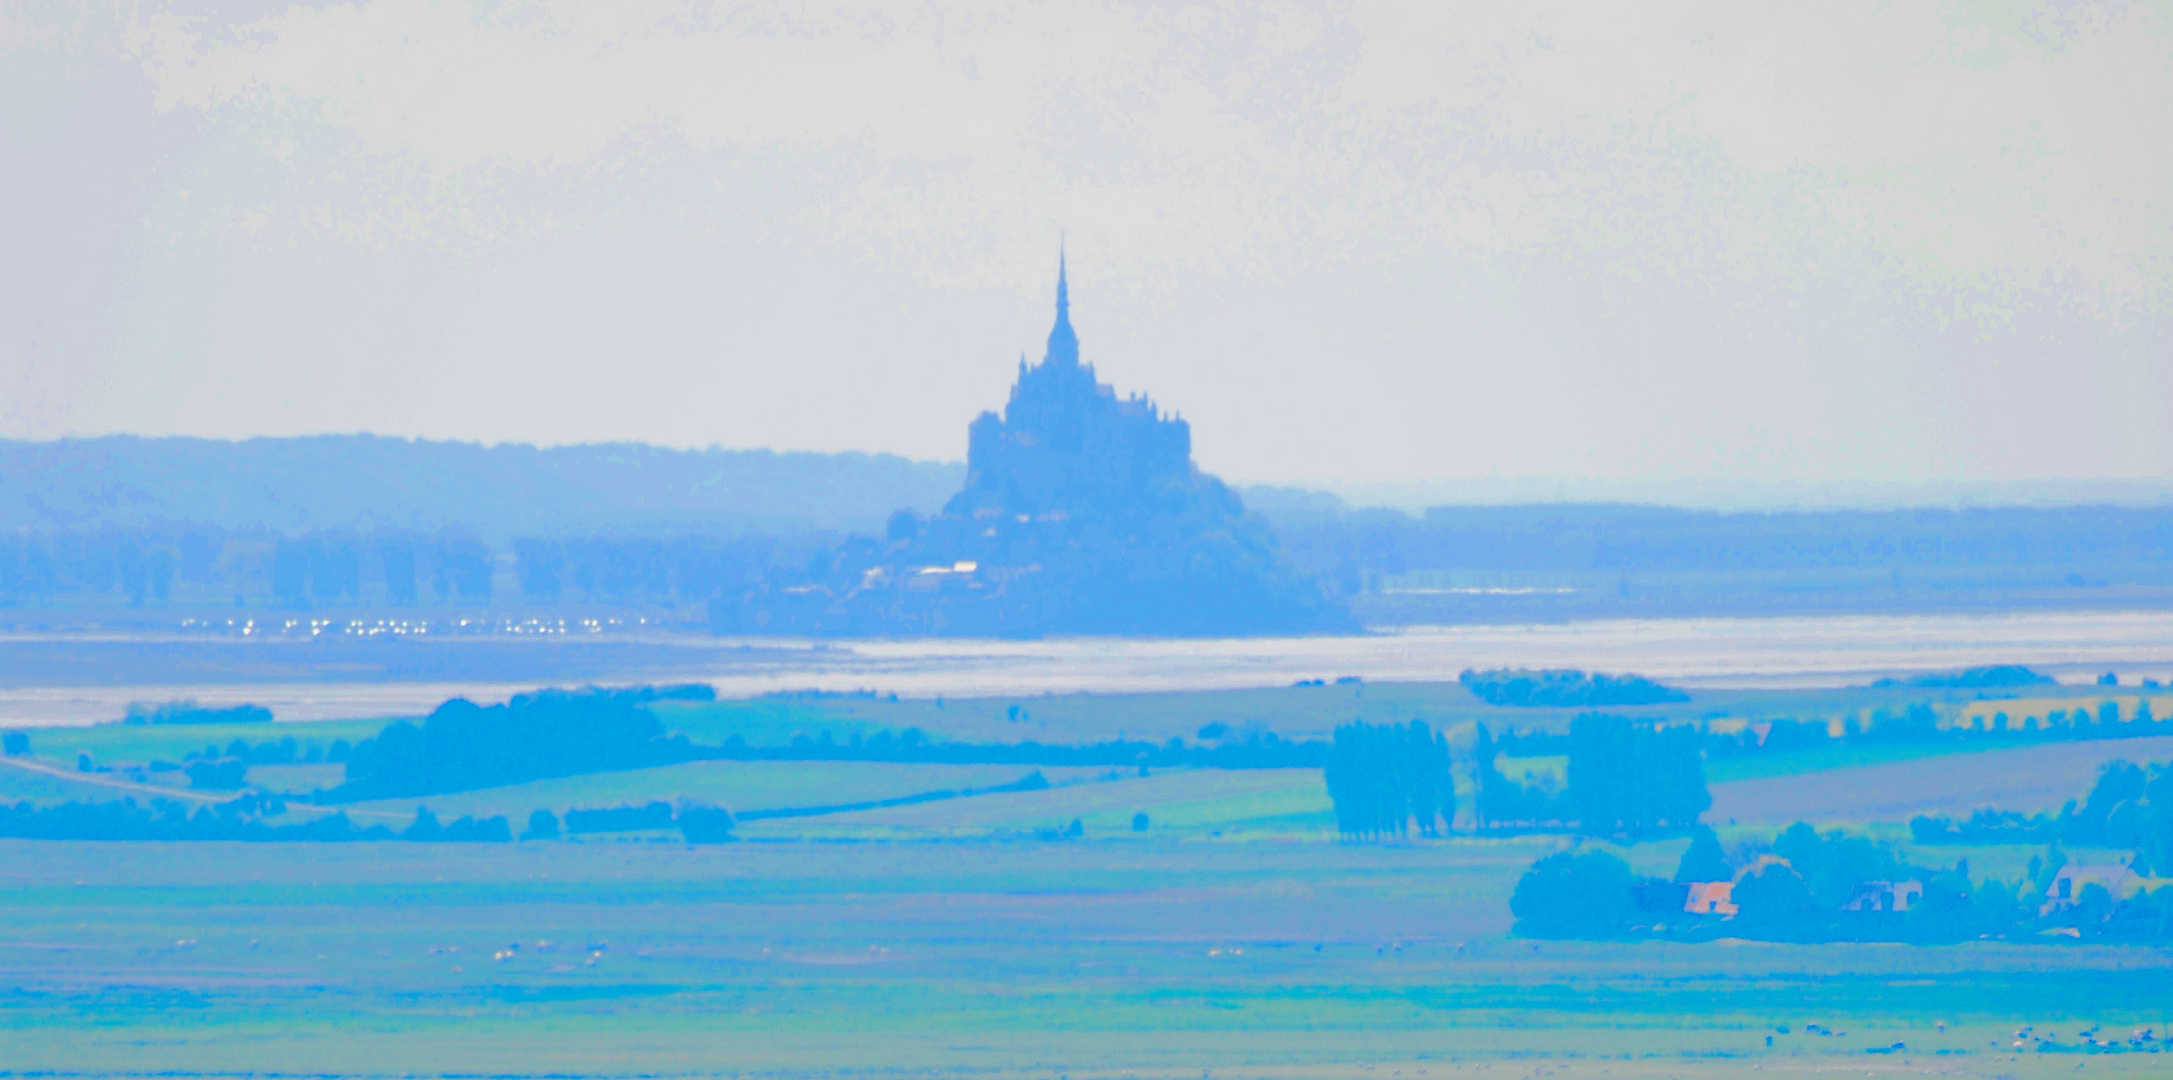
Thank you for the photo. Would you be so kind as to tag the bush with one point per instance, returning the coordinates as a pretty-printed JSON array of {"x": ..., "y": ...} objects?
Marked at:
[
  {"x": 704, "y": 824},
  {"x": 222, "y": 774},
  {"x": 1572, "y": 895},
  {"x": 542, "y": 825},
  {"x": 1776, "y": 904},
  {"x": 425, "y": 828}
]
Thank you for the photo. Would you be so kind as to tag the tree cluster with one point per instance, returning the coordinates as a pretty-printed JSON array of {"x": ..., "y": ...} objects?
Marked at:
[
  {"x": 240, "y": 819},
  {"x": 189, "y": 712},
  {"x": 2130, "y": 806},
  {"x": 655, "y": 815},
  {"x": 1565, "y": 688},
  {"x": 221, "y": 774},
  {"x": 286, "y": 751},
  {"x": 1915, "y": 724},
  {"x": 1631, "y": 778},
  {"x": 1801, "y": 891},
  {"x": 1502, "y": 802},
  {"x": 698, "y": 822},
  {"x": 1625, "y": 777},
  {"x": 1991, "y": 677},
  {"x": 1383, "y": 778},
  {"x": 462, "y": 746},
  {"x": 1918, "y": 724}
]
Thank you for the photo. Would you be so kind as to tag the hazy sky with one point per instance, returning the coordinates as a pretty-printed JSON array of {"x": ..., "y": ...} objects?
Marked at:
[{"x": 1816, "y": 247}]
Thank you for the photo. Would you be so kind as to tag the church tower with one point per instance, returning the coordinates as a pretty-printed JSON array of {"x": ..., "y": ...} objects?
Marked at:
[{"x": 1063, "y": 342}]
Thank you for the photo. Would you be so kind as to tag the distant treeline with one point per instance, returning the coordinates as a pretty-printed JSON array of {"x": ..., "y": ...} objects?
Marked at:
[
  {"x": 1565, "y": 688},
  {"x": 462, "y": 746},
  {"x": 1625, "y": 777},
  {"x": 240, "y": 819},
  {"x": 2130, "y": 807},
  {"x": 253, "y": 818},
  {"x": 1490, "y": 563},
  {"x": 1604, "y": 538},
  {"x": 360, "y": 482},
  {"x": 1916, "y": 724},
  {"x": 697, "y": 822},
  {"x": 383, "y": 569},
  {"x": 80, "y": 541},
  {"x": 189, "y": 712},
  {"x": 1995, "y": 677}
]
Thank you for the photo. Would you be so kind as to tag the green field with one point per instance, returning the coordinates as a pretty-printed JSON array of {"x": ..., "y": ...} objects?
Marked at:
[
  {"x": 740, "y": 785},
  {"x": 1004, "y": 957},
  {"x": 1234, "y": 936}
]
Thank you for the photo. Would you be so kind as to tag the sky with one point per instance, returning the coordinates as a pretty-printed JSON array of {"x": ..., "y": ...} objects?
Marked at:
[{"x": 1706, "y": 253}]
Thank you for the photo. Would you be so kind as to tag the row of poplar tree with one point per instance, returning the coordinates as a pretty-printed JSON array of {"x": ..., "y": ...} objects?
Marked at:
[
  {"x": 1624, "y": 777},
  {"x": 1384, "y": 777}
]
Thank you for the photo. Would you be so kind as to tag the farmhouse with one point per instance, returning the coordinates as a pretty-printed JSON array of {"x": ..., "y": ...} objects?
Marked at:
[
  {"x": 1895, "y": 896},
  {"x": 1711, "y": 898},
  {"x": 2067, "y": 888}
]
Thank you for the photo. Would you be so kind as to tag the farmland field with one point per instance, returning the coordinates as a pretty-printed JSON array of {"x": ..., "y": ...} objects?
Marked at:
[
  {"x": 1160, "y": 957},
  {"x": 740, "y": 785},
  {"x": 972, "y": 932},
  {"x": 2028, "y": 780}
]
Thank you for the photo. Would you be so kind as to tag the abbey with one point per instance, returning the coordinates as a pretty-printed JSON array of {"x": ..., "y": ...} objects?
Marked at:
[
  {"x": 1066, "y": 444},
  {"x": 1082, "y": 513}
]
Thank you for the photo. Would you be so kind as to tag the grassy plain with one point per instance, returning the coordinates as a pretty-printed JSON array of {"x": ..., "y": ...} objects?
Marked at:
[
  {"x": 1162, "y": 956},
  {"x": 1233, "y": 937},
  {"x": 741, "y": 785},
  {"x": 2025, "y": 779}
]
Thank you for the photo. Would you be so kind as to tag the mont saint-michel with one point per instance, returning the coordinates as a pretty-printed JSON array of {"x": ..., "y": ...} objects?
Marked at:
[{"x": 1082, "y": 513}]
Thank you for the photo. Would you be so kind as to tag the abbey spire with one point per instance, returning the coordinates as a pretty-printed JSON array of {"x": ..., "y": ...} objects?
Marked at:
[{"x": 1063, "y": 342}]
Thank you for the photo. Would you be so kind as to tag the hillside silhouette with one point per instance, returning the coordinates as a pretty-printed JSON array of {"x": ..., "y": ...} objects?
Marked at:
[{"x": 290, "y": 486}]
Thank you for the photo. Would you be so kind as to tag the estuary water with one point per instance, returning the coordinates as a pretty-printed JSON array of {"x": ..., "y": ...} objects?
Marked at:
[
  {"x": 1743, "y": 653},
  {"x": 1713, "y": 653}
]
